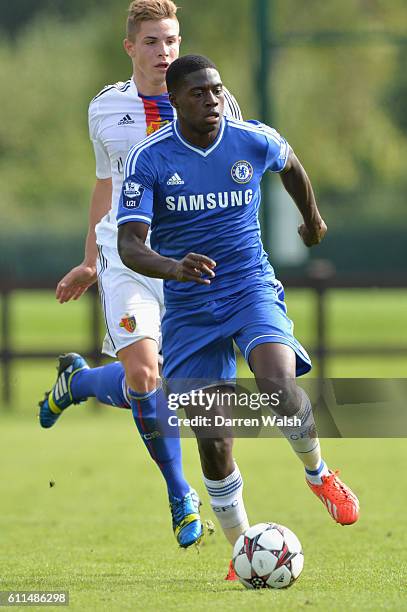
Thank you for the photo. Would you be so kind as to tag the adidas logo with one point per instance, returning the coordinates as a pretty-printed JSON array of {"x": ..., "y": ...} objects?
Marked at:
[
  {"x": 60, "y": 386},
  {"x": 175, "y": 180},
  {"x": 126, "y": 120}
]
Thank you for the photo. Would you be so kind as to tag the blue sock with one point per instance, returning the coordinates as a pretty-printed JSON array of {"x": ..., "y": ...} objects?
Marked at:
[
  {"x": 151, "y": 413},
  {"x": 104, "y": 383}
]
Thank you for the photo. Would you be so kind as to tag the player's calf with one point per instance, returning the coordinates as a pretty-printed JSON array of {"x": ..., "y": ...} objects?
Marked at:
[{"x": 216, "y": 456}]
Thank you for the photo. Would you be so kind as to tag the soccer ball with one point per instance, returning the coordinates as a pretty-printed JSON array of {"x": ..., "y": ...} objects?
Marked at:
[{"x": 268, "y": 555}]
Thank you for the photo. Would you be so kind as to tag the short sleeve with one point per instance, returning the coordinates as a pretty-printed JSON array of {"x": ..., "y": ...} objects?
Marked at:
[
  {"x": 232, "y": 108},
  {"x": 278, "y": 148},
  {"x": 136, "y": 198},
  {"x": 103, "y": 167},
  {"x": 102, "y": 159}
]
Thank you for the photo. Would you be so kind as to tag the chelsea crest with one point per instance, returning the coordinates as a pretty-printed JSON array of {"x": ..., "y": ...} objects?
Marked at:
[{"x": 242, "y": 172}]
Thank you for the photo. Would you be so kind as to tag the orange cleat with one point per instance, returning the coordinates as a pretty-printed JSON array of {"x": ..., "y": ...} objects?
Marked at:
[
  {"x": 231, "y": 575},
  {"x": 342, "y": 504}
]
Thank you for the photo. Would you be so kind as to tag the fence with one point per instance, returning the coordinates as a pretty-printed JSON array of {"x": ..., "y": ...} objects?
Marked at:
[
  {"x": 320, "y": 278},
  {"x": 8, "y": 354}
]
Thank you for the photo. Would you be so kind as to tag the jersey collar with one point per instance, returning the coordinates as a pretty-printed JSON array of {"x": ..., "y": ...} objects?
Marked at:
[
  {"x": 203, "y": 152},
  {"x": 133, "y": 89}
]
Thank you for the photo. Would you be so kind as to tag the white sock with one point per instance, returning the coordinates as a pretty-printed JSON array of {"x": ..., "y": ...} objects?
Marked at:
[
  {"x": 303, "y": 438},
  {"x": 315, "y": 476},
  {"x": 226, "y": 497}
]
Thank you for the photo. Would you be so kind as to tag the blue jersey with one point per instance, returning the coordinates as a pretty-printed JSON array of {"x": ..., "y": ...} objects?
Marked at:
[{"x": 204, "y": 201}]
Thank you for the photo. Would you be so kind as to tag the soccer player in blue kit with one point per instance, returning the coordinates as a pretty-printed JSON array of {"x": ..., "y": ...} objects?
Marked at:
[{"x": 225, "y": 290}]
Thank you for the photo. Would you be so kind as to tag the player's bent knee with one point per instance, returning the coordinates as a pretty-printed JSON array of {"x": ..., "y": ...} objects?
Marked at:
[
  {"x": 141, "y": 378},
  {"x": 285, "y": 388}
]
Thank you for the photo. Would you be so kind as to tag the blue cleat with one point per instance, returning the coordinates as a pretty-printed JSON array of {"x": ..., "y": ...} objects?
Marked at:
[
  {"x": 60, "y": 396},
  {"x": 186, "y": 521}
]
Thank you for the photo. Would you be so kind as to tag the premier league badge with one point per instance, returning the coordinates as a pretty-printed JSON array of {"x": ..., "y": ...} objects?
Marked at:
[
  {"x": 242, "y": 172},
  {"x": 132, "y": 194}
]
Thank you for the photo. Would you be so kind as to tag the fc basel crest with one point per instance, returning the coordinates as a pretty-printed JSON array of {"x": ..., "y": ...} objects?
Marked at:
[
  {"x": 129, "y": 323},
  {"x": 154, "y": 126},
  {"x": 242, "y": 172}
]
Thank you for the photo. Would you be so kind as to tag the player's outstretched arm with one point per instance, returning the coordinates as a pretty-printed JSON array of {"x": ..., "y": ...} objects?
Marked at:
[
  {"x": 80, "y": 278},
  {"x": 137, "y": 256},
  {"x": 298, "y": 185}
]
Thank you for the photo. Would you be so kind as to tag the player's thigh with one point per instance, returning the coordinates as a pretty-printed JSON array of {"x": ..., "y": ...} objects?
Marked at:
[
  {"x": 263, "y": 320},
  {"x": 131, "y": 303},
  {"x": 195, "y": 353},
  {"x": 272, "y": 359}
]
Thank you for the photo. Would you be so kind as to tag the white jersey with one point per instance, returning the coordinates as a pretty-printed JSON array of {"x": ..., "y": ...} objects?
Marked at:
[{"x": 120, "y": 117}]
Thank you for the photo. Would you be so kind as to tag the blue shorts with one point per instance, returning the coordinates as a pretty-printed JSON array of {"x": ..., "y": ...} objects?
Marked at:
[{"x": 198, "y": 340}]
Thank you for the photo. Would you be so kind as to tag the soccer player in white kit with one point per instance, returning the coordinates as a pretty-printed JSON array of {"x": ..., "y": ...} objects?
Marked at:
[{"x": 120, "y": 116}]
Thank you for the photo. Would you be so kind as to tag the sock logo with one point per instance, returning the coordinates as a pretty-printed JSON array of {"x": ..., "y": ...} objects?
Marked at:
[
  {"x": 151, "y": 435},
  {"x": 225, "y": 508}
]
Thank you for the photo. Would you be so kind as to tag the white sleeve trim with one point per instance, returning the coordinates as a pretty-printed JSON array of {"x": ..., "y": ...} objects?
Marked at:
[
  {"x": 127, "y": 218},
  {"x": 287, "y": 153}
]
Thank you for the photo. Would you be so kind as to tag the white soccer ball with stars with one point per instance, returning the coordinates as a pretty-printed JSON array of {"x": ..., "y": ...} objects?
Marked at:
[{"x": 268, "y": 555}]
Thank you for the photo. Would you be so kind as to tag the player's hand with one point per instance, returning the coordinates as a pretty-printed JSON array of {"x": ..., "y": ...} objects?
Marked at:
[
  {"x": 75, "y": 283},
  {"x": 314, "y": 234},
  {"x": 193, "y": 267}
]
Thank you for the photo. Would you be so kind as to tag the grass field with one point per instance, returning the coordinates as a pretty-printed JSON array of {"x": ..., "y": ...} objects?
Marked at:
[{"x": 103, "y": 531}]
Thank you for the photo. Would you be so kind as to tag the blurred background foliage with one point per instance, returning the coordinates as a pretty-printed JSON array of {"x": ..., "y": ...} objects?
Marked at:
[{"x": 342, "y": 107}]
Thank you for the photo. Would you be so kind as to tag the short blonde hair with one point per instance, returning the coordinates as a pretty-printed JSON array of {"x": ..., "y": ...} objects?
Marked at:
[{"x": 147, "y": 10}]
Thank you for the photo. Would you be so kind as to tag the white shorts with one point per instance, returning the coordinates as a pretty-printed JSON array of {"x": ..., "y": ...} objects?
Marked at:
[{"x": 133, "y": 305}]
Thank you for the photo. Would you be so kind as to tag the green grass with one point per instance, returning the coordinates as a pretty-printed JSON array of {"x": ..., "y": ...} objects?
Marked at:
[{"x": 102, "y": 532}]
